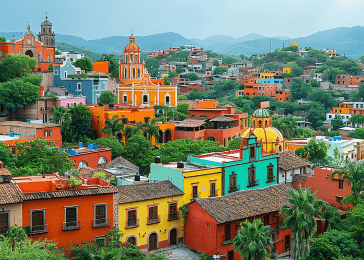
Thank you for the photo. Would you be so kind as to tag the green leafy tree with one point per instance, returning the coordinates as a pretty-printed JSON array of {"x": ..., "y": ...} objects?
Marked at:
[
  {"x": 321, "y": 249},
  {"x": 354, "y": 222},
  {"x": 357, "y": 133},
  {"x": 316, "y": 115},
  {"x": 216, "y": 63},
  {"x": 315, "y": 152},
  {"x": 152, "y": 65},
  {"x": 353, "y": 172},
  {"x": 234, "y": 143},
  {"x": 253, "y": 240},
  {"x": 151, "y": 130},
  {"x": 50, "y": 67},
  {"x": 166, "y": 80},
  {"x": 41, "y": 157},
  {"x": 107, "y": 97},
  {"x": 62, "y": 116},
  {"x": 357, "y": 120},
  {"x": 332, "y": 216},
  {"x": 300, "y": 89},
  {"x": 6, "y": 156},
  {"x": 16, "y": 65},
  {"x": 344, "y": 240},
  {"x": 359, "y": 95},
  {"x": 329, "y": 74},
  {"x": 114, "y": 143},
  {"x": 178, "y": 150},
  {"x": 299, "y": 216},
  {"x": 84, "y": 63},
  {"x": 304, "y": 132},
  {"x": 137, "y": 150},
  {"x": 2, "y": 39},
  {"x": 191, "y": 76},
  {"x": 286, "y": 125},
  {"x": 337, "y": 122},
  {"x": 113, "y": 64},
  {"x": 81, "y": 123},
  {"x": 183, "y": 108},
  {"x": 16, "y": 93},
  {"x": 113, "y": 126},
  {"x": 323, "y": 97},
  {"x": 172, "y": 74},
  {"x": 220, "y": 70}
]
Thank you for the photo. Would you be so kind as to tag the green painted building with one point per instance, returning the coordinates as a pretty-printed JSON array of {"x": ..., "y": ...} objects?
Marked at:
[{"x": 246, "y": 168}]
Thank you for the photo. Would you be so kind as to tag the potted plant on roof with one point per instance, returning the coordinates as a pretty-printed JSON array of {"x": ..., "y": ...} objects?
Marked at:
[{"x": 73, "y": 182}]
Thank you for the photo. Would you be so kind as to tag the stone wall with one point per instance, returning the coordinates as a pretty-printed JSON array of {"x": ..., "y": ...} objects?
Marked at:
[{"x": 47, "y": 79}]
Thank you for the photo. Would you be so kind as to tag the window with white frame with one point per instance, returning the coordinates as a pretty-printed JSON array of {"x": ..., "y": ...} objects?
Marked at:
[
  {"x": 37, "y": 220},
  {"x": 125, "y": 98},
  {"x": 79, "y": 86},
  {"x": 100, "y": 215},
  {"x": 71, "y": 218}
]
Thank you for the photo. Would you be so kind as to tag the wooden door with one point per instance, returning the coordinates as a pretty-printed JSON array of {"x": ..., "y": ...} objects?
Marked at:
[
  {"x": 173, "y": 237},
  {"x": 132, "y": 240},
  {"x": 4, "y": 222},
  {"x": 153, "y": 239}
]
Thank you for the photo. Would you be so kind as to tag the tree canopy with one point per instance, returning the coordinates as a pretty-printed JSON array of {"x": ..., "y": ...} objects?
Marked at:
[
  {"x": 107, "y": 97},
  {"x": 16, "y": 65},
  {"x": 84, "y": 63},
  {"x": 152, "y": 65}
]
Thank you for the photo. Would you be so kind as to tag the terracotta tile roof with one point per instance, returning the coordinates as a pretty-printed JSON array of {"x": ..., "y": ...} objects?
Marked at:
[
  {"x": 147, "y": 191},
  {"x": 87, "y": 171},
  {"x": 4, "y": 171},
  {"x": 69, "y": 193},
  {"x": 289, "y": 161},
  {"x": 244, "y": 204},
  {"x": 25, "y": 124},
  {"x": 299, "y": 178},
  {"x": 120, "y": 161},
  {"x": 10, "y": 193},
  {"x": 191, "y": 123},
  {"x": 223, "y": 119}
]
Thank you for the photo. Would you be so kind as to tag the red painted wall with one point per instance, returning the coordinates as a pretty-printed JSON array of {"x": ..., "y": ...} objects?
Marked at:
[
  {"x": 55, "y": 216},
  {"x": 326, "y": 189},
  {"x": 92, "y": 158},
  {"x": 56, "y": 135}
]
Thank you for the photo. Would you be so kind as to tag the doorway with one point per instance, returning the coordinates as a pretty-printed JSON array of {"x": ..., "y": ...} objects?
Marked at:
[
  {"x": 173, "y": 237},
  {"x": 153, "y": 242}
]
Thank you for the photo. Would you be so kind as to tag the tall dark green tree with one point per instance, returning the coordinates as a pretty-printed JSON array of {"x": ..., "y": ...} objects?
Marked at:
[
  {"x": 16, "y": 65},
  {"x": 337, "y": 122},
  {"x": 107, "y": 97},
  {"x": 113, "y": 126},
  {"x": 84, "y": 64},
  {"x": 152, "y": 65}
]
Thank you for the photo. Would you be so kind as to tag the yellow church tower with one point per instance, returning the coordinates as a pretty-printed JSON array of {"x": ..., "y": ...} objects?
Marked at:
[{"x": 137, "y": 88}]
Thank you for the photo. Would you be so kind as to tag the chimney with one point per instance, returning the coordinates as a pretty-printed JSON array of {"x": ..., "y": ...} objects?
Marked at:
[
  {"x": 1, "y": 165},
  {"x": 137, "y": 177}
]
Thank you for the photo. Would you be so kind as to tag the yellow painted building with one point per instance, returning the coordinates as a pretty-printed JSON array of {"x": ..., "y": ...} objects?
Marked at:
[
  {"x": 294, "y": 44},
  {"x": 271, "y": 138},
  {"x": 194, "y": 180},
  {"x": 287, "y": 70},
  {"x": 149, "y": 214},
  {"x": 266, "y": 75},
  {"x": 137, "y": 88}
]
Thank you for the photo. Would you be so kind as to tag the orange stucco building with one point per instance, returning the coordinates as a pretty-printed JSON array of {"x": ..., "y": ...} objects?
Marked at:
[
  {"x": 129, "y": 115},
  {"x": 42, "y": 49},
  {"x": 55, "y": 211},
  {"x": 101, "y": 66},
  {"x": 137, "y": 88}
]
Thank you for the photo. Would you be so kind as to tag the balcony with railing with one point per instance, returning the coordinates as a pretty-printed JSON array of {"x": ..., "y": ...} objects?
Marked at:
[
  {"x": 101, "y": 222},
  {"x": 214, "y": 193},
  {"x": 271, "y": 179},
  {"x": 234, "y": 188},
  {"x": 253, "y": 183},
  {"x": 40, "y": 229},
  {"x": 132, "y": 223},
  {"x": 154, "y": 219},
  {"x": 196, "y": 195},
  {"x": 173, "y": 216},
  {"x": 72, "y": 225}
]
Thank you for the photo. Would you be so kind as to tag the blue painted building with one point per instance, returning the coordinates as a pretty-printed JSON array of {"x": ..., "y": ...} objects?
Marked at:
[
  {"x": 78, "y": 84},
  {"x": 270, "y": 81}
]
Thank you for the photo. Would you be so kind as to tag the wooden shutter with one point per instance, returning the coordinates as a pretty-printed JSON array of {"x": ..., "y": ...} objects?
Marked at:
[
  {"x": 172, "y": 208},
  {"x": 153, "y": 212},
  {"x": 132, "y": 215},
  {"x": 213, "y": 187},
  {"x": 232, "y": 180},
  {"x": 37, "y": 218},
  {"x": 100, "y": 211}
]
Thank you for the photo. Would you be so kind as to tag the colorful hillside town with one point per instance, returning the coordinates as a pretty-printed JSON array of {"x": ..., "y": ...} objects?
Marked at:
[{"x": 180, "y": 153}]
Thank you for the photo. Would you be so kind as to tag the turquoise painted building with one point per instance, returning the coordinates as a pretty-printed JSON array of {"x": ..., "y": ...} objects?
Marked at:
[{"x": 246, "y": 168}]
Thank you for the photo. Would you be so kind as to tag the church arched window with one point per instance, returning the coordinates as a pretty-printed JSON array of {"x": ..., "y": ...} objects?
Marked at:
[
  {"x": 136, "y": 58},
  {"x": 125, "y": 73},
  {"x": 139, "y": 73},
  {"x": 131, "y": 57},
  {"x": 126, "y": 58}
]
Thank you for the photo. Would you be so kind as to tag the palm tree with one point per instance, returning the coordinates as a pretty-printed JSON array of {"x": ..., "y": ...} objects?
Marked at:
[
  {"x": 151, "y": 130},
  {"x": 354, "y": 172},
  {"x": 253, "y": 240},
  {"x": 300, "y": 218},
  {"x": 113, "y": 126}
]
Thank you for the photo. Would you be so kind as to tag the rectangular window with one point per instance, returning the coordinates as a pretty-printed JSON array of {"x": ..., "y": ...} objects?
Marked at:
[
  {"x": 45, "y": 133},
  {"x": 153, "y": 215},
  {"x": 55, "y": 72},
  {"x": 173, "y": 213},
  {"x": 45, "y": 118},
  {"x": 101, "y": 219},
  {"x": 132, "y": 220},
  {"x": 213, "y": 191},
  {"x": 341, "y": 184},
  {"x": 252, "y": 154},
  {"x": 266, "y": 220},
  {"x": 232, "y": 182},
  {"x": 71, "y": 219},
  {"x": 230, "y": 255},
  {"x": 79, "y": 86},
  {"x": 227, "y": 235},
  {"x": 38, "y": 222},
  {"x": 339, "y": 199},
  {"x": 251, "y": 177},
  {"x": 270, "y": 176},
  {"x": 194, "y": 191},
  {"x": 4, "y": 222}
]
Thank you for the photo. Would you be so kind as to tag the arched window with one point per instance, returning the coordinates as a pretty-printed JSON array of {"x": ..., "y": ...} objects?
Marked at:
[
  {"x": 126, "y": 58},
  {"x": 39, "y": 56},
  {"x": 125, "y": 73},
  {"x": 145, "y": 100},
  {"x": 131, "y": 57},
  {"x": 102, "y": 161},
  {"x": 49, "y": 58},
  {"x": 167, "y": 100},
  {"x": 125, "y": 98},
  {"x": 136, "y": 58},
  {"x": 82, "y": 164},
  {"x": 139, "y": 73}
]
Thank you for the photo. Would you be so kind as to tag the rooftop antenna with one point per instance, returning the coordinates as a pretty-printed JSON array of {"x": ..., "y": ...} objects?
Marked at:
[
  {"x": 28, "y": 24},
  {"x": 131, "y": 31},
  {"x": 46, "y": 15}
]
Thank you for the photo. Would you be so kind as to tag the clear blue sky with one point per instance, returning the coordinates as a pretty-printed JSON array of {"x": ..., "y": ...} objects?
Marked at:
[{"x": 93, "y": 19}]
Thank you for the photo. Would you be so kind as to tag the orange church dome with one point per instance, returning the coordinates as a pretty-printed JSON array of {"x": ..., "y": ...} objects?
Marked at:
[{"x": 132, "y": 46}]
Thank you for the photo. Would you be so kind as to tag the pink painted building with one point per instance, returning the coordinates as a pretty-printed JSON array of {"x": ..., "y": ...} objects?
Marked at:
[{"x": 67, "y": 101}]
